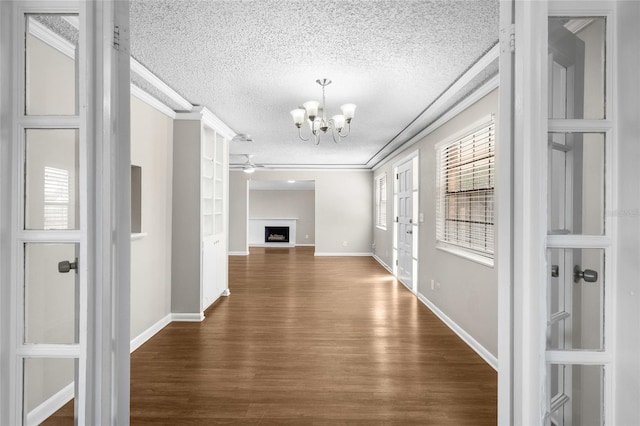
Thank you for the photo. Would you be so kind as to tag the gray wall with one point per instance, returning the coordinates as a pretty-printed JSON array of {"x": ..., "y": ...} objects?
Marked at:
[
  {"x": 343, "y": 208},
  {"x": 152, "y": 150},
  {"x": 185, "y": 271},
  {"x": 286, "y": 204},
  {"x": 468, "y": 291}
]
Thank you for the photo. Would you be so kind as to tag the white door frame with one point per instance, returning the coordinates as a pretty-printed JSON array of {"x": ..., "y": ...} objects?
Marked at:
[{"x": 104, "y": 108}]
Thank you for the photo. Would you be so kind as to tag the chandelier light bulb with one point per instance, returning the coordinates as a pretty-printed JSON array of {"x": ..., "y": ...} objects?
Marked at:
[
  {"x": 348, "y": 110},
  {"x": 312, "y": 109},
  {"x": 338, "y": 122},
  {"x": 298, "y": 115}
]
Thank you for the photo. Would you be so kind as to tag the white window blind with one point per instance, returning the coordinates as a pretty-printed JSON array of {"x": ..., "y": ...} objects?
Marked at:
[
  {"x": 381, "y": 200},
  {"x": 56, "y": 198},
  {"x": 465, "y": 190}
]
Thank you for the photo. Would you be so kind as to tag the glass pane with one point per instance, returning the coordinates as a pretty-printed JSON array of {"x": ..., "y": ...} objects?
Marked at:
[
  {"x": 51, "y": 179},
  {"x": 209, "y": 142},
  {"x": 576, "y": 394},
  {"x": 576, "y": 299},
  {"x": 577, "y": 67},
  {"x": 49, "y": 381},
  {"x": 219, "y": 148},
  {"x": 50, "y": 297},
  {"x": 576, "y": 183},
  {"x": 51, "y": 65}
]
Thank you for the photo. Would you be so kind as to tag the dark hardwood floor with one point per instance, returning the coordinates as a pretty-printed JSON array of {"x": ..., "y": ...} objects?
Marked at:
[{"x": 311, "y": 340}]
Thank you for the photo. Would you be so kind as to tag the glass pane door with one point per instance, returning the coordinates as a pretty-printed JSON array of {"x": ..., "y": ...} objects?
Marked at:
[
  {"x": 51, "y": 238},
  {"x": 578, "y": 241}
]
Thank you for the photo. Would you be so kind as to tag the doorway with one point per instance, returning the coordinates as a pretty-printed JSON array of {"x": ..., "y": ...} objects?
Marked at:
[{"x": 405, "y": 229}]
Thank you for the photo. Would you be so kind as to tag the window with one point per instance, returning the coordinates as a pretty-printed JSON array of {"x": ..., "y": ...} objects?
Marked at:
[
  {"x": 465, "y": 192},
  {"x": 56, "y": 198},
  {"x": 381, "y": 201}
]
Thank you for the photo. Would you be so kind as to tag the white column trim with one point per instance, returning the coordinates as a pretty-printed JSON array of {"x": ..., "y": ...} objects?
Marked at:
[{"x": 529, "y": 195}]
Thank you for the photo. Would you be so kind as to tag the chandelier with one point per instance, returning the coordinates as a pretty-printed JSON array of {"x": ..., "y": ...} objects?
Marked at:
[{"x": 315, "y": 115}]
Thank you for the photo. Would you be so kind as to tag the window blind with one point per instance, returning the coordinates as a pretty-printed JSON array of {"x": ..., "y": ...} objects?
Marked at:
[
  {"x": 381, "y": 200},
  {"x": 56, "y": 198},
  {"x": 465, "y": 185}
]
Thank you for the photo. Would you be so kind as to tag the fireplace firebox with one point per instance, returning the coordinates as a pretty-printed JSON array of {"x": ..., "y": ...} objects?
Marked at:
[{"x": 276, "y": 234}]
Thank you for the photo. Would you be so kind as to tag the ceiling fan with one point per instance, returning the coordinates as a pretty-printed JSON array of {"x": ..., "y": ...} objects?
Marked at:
[
  {"x": 248, "y": 166},
  {"x": 242, "y": 137}
]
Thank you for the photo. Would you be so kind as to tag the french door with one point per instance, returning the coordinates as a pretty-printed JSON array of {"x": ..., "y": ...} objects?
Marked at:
[
  {"x": 564, "y": 242},
  {"x": 65, "y": 211},
  {"x": 406, "y": 222}
]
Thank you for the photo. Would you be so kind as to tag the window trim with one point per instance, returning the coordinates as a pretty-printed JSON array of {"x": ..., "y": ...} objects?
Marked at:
[{"x": 481, "y": 257}]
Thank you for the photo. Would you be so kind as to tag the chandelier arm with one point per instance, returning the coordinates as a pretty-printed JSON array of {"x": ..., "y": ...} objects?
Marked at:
[
  {"x": 348, "y": 131},
  {"x": 317, "y": 135},
  {"x": 300, "y": 135},
  {"x": 333, "y": 134}
]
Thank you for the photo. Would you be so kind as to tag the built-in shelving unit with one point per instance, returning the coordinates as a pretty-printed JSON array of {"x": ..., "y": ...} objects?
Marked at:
[{"x": 200, "y": 188}]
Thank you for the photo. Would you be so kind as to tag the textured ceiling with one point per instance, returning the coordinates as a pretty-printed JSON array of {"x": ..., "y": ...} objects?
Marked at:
[{"x": 251, "y": 62}]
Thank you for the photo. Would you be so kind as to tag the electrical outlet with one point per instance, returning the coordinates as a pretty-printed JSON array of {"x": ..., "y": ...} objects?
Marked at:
[
  {"x": 432, "y": 284},
  {"x": 344, "y": 244},
  {"x": 306, "y": 236}
]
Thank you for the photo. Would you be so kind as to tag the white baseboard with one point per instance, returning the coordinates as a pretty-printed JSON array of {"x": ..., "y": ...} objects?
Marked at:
[
  {"x": 384, "y": 265},
  {"x": 466, "y": 337},
  {"x": 43, "y": 411},
  {"x": 238, "y": 253},
  {"x": 305, "y": 245},
  {"x": 138, "y": 341},
  {"x": 187, "y": 317},
  {"x": 340, "y": 254}
]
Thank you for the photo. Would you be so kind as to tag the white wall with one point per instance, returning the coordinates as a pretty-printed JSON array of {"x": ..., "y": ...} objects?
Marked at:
[
  {"x": 468, "y": 291},
  {"x": 626, "y": 216},
  {"x": 152, "y": 150},
  {"x": 286, "y": 204},
  {"x": 343, "y": 208}
]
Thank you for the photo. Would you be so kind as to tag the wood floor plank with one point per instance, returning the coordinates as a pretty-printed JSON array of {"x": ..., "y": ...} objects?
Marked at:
[{"x": 311, "y": 340}]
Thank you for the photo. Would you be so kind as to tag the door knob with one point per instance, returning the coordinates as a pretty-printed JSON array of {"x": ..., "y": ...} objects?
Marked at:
[
  {"x": 409, "y": 232},
  {"x": 555, "y": 271},
  {"x": 588, "y": 275},
  {"x": 65, "y": 266}
]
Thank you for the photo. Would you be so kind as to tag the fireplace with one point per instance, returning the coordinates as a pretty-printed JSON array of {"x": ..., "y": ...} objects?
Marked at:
[{"x": 276, "y": 234}]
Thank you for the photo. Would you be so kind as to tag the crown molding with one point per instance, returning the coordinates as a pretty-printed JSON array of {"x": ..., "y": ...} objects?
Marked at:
[
  {"x": 211, "y": 120},
  {"x": 403, "y": 140},
  {"x": 152, "y": 101},
  {"x": 68, "y": 49},
  {"x": 305, "y": 168},
  {"x": 164, "y": 88},
  {"x": 471, "y": 99},
  {"x": 47, "y": 36}
]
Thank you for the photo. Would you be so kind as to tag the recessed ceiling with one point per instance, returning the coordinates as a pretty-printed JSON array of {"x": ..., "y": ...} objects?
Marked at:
[{"x": 251, "y": 62}]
